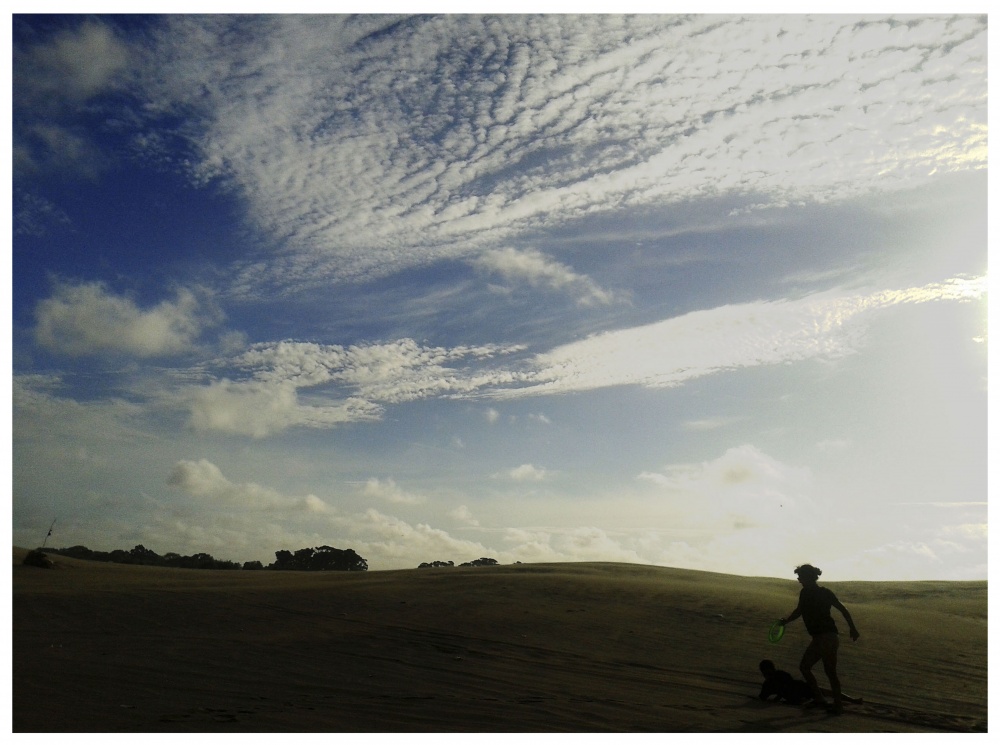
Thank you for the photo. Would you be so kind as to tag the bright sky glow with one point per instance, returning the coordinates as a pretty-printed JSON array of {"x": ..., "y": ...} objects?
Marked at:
[{"x": 706, "y": 291}]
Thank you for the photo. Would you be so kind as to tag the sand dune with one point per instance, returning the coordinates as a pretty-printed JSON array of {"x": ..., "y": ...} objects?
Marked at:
[{"x": 532, "y": 647}]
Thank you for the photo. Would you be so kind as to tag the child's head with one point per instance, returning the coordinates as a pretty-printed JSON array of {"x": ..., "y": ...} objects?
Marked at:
[
  {"x": 808, "y": 572},
  {"x": 767, "y": 668}
]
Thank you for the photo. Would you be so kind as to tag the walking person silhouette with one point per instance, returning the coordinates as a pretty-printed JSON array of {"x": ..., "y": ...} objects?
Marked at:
[{"x": 814, "y": 607}]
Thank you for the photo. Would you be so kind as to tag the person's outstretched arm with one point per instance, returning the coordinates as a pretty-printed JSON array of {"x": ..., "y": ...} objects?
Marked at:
[
  {"x": 792, "y": 616},
  {"x": 847, "y": 617}
]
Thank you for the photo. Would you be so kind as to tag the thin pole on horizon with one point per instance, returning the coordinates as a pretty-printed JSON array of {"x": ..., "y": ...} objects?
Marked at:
[{"x": 49, "y": 533}]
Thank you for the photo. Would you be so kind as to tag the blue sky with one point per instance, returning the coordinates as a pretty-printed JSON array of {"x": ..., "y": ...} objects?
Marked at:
[{"x": 697, "y": 291}]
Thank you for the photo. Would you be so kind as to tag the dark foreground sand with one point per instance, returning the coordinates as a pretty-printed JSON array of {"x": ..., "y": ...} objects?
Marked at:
[{"x": 533, "y": 647}]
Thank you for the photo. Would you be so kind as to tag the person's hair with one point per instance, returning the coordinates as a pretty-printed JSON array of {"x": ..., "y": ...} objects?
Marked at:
[
  {"x": 766, "y": 666},
  {"x": 808, "y": 570}
]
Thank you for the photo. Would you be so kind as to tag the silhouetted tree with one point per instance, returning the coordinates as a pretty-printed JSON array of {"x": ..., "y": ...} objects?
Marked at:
[
  {"x": 282, "y": 560},
  {"x": 142, "y": 555},
  {"x": 323, "y": 558},
  {"x": 483, "y": 562}
]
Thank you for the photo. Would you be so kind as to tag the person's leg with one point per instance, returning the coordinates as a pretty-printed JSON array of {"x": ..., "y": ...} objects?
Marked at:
[
  {"x": 828, "y": 653},
  {"x": 810, "y": 658}
]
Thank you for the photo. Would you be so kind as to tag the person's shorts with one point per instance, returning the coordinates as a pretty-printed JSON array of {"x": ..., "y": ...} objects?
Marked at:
[{"x": 825, "y": 644}]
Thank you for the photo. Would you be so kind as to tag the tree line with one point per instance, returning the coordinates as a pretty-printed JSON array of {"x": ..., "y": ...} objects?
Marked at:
[
  {"x": 321, "y": 558},
  {"x": 483, "y": 562},
  {"x": 318, "y": 559}
]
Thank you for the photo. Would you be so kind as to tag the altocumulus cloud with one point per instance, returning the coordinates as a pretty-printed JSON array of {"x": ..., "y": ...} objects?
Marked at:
[
  {"x": 340, "y": 384},
  {"x": 367, "y": 150}
]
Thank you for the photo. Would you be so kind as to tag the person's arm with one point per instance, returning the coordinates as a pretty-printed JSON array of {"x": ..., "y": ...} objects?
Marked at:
[
  {"x": 792, "y": 616},
  {"x": 847, "y": 617},
  {"x": 766, "y": 690}
]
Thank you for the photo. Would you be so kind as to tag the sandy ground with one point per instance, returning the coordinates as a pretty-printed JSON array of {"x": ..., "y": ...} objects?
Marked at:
[{"x": 523, "y": 648}]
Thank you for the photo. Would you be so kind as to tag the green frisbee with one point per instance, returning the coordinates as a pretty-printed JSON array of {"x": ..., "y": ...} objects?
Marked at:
[{"x": 776, "y": 631}]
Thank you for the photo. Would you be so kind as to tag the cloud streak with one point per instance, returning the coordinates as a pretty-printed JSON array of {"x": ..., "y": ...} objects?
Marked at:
[
  {"x": 536, "y": 269},
  {"x": 670, "y": 352}
]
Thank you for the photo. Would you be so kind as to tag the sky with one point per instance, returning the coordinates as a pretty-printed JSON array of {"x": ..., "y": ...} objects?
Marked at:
[{"x": 699, "y": 291}]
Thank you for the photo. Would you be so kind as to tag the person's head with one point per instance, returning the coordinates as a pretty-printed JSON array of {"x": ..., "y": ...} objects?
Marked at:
[
  {"x": 767, "y": 668},
  {"x": 808, "y": 574}
]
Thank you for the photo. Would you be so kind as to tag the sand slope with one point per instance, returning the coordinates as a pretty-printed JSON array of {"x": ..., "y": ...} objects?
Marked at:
[{"x": 533, "y": 647}]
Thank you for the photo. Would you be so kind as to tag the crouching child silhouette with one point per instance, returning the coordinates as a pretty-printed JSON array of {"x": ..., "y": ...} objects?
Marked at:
[{"x": 784, "y": 687}]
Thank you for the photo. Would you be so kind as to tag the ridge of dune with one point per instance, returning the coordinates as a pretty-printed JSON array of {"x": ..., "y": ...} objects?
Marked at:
[{"x": 524, "y": 647}]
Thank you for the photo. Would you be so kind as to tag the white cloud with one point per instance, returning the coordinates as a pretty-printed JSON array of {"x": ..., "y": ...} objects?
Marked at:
[
  {"x": 533, "y": 267},
  {"x": 558, "y": 544},
  {"x": 86, "y": 319},
  {"x": 272, "y": 387},
  {"x": 835, "y": 445},
  {"x": 706, "y": 425},
  {"x": 204, "y": 479},
  {"x": 393, "y": 372},
  {"x": 340, "y": 384},
  {"x": 670, "y": 352},
  {"x": 34, "y": 215},
  {"x": 40, "y": 413},
  {"x": 742, "y": 488},
  {"x": 257, "y": 409},
  {"x": 463, "y": 515},
  {"x": 289, "y": 383},
  {"x": 74, "y": 64},
  {"x": 53, "y": 82},
  {"x": 400, "y": 544},
  {"x": 527, "y": 472},
  {"x": 390, "y": 492}
]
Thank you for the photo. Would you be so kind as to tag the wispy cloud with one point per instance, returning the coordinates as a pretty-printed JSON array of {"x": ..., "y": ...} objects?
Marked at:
[
  {"x": 705, "y": 425},
  {"x": 533, "y": 267}
]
